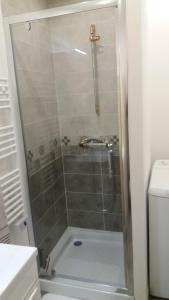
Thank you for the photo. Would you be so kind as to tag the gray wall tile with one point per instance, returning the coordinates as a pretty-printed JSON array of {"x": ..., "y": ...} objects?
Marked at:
[
  {"x": 59, "y": 186},
  {"x": 111, "y": 185},
  {"x": 112, "y": 203},
  {"x": 83, "y": 183},
  {"x": 35, "y": 185},
  {"x": 88, "y": 164},
  {"x": 49, "y": 241},
  {"x": 84, "y": 192},
  {"x": 45, "y": 224},
  {"x": 113, "y": 222},
  {"x": 84, "y": 201},
  {"x": 90, "y": 220},
  {"x": 115, "y": 164}
]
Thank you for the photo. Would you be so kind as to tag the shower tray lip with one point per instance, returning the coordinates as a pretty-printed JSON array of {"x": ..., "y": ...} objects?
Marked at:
[
  {"x": 72, "y": 234},
  {"x": 80, "y": 291}
]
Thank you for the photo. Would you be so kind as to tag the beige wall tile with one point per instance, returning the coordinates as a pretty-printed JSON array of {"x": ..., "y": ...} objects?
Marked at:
[
  {"x": 13, "y": 7},
  {"x": 74, "y": 75},
  {"x": 76, "y": 104}
]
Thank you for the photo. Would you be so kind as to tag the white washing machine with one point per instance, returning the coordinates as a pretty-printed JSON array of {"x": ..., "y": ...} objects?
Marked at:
[{"x": 159, "y": 229}]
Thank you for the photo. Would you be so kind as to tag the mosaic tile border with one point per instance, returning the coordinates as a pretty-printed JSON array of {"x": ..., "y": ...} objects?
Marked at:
[{"x": 74, "y": 140}]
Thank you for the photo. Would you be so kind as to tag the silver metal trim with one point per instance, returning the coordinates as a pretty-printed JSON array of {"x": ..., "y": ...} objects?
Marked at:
[
  {"x": 124, "y": 145},
  {"x": 17, "y": 125},
  {"x": 61, "y": 10}
]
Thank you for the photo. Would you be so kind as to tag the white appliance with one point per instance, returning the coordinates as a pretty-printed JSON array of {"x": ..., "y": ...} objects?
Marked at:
[
  {"x": 18, "y": 273},
  {"x": 159, "y": 229}
]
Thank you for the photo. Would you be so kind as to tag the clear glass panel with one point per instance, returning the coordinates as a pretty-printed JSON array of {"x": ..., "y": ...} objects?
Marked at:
[
  {"x": 40, "y": 123},
  {"x": 68, "y": 92}
]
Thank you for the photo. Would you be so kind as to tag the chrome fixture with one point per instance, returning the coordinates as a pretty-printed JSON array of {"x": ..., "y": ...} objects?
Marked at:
[
  {"x": 109, "y": 145},
  {"x": 84, "y": 141},
  {"x": 95, "y": 142},
  {"x": 87, "y": 141}
]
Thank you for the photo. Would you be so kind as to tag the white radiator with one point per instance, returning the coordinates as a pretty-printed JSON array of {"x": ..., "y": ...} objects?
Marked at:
[{"x": 11, "y": 195}]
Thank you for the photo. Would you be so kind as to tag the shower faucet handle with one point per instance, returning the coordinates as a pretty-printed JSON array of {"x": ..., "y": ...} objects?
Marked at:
[
  {"x": 109, "y": 145},
  {"x": 84, "y": 141}
]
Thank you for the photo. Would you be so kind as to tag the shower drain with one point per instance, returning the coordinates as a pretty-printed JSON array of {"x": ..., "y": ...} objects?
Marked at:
[{"x": 77, "y": 243}]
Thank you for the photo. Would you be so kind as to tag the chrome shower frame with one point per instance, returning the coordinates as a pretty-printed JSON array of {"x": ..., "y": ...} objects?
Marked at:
[{"x": 123, "y": 111}]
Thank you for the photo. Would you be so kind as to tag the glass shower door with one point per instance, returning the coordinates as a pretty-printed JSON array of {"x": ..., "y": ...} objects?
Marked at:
[{"x": 68, "y": 88}]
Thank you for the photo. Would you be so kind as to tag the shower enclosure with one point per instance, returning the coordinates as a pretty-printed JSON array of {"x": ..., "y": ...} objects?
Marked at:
[{"x": 70, "y": 70}]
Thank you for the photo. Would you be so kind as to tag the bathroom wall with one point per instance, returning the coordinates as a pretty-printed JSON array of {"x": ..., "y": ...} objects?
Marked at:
[
  {"x": 93, "y": 198},
  {"x": 14, "y": 7},
  {"x": 139, "y": 137},
  {"x": 152, "y": 93},
  {"x": 55, "y": 3},
  {"x": 158, "y": 32},
  {"x": 36, "y": 90}
]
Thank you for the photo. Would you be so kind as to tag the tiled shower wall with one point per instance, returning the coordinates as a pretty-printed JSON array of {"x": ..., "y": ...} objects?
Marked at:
[
  {"x": 35, "y": 78},
  {"x": 93, "y": 196},
  {"x": 74, "y": 75}
]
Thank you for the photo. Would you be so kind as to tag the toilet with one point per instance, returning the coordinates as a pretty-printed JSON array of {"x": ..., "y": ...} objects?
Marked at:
[{"x": 57, "y": 297}]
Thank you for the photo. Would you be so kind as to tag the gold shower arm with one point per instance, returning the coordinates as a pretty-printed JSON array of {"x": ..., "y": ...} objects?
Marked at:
[{"x": 94, "y": 38}]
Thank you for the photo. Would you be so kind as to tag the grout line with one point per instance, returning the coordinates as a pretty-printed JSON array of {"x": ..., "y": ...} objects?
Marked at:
[
  {"x": 85, "y": 193},
  {"x": 87, "y": 211},
  {"x": 84, "y": 174},
  {"x": 104, "y": 226}
]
